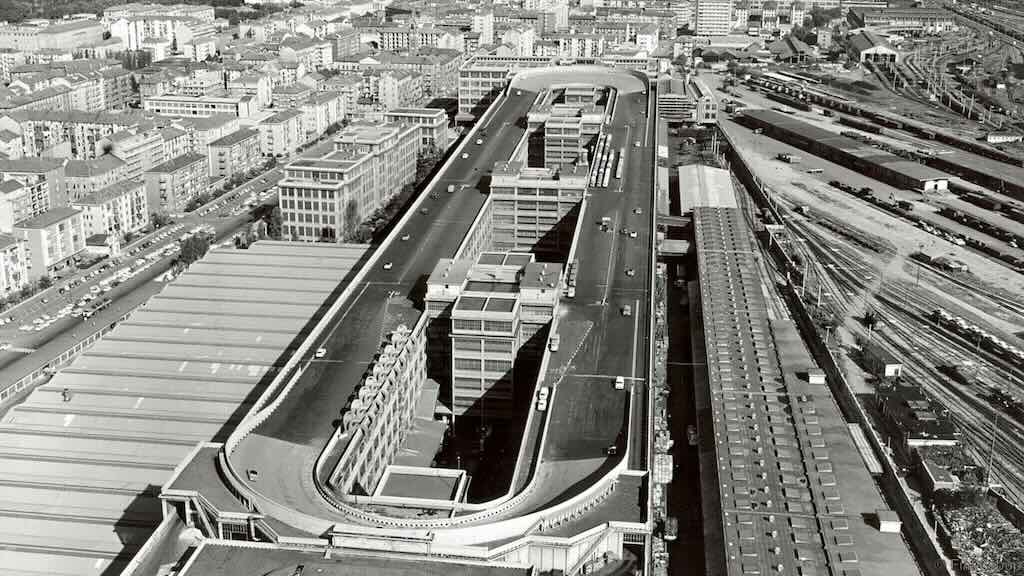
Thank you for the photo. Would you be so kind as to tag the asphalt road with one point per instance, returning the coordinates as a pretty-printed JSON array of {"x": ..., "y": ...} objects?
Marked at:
[
  {"x": 33, "y": 350},
  {"x": 300, "y": 428},
  {"x": 588, "y": 414}
]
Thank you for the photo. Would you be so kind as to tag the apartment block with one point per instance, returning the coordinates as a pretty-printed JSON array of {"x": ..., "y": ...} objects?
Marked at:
[
  {"x": 235, "y": 153},
  {"x": 242, "y": 106},
  {"x": 115, "y": 210},
  {"x": 51, "y": 239},
  {"x": 282, "y": 133},
  {"x": 45, "y": 132},
  {"x": 202, "y": 131},
  {"x": 13, "y": 266},
  {"x": 535, "y": 208},
  {"x": 42, "y": 177},
  {"x": 15, "y": 204},
  {"x": 325, "y": 199},
  {"x": 173, "y": 184},
  {"x": 432, "y": 124},
  {"x": 321, "y": 110},
  {"x": 83, "y": 177},
  {"x": 139, "y": 149},
  {"x": 496, "y": 305}
]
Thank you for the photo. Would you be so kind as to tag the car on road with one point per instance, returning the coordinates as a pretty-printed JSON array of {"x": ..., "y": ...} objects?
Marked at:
[
  {"x": 94, "y": 289},
  {"x": 691, "y": 435},
  {"x": 638, "y": 211},
  {"x": 612, "y": 450},
  {"x": 632, "y": 233},
  {"x": 405, "y": 237},
  {"x": 542, "y": 399},
  {"x": 424, "y": 211},
  {"x": 620, "y": 383},
  {"x": 554, "y": 342},
  {"x": 5, "y": 346},
  {"x": 320, "y": 352},
  {"x": 627, "y": 310},
  {"x": 388, "y": 265},
  {"x": 25, "y": 327},
  {"x": 636, "y": 144},
  {"x": 479, "y": 141},
  {"x": 630, "y": 272},
  {"x": 465, "y": 155}
]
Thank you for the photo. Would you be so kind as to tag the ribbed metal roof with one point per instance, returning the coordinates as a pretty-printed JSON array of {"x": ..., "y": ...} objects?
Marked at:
[{"x": 80, "y": 471}]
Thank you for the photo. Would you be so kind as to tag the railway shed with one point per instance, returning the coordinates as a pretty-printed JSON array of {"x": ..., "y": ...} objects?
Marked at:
[{"x": 859, "y": 156}]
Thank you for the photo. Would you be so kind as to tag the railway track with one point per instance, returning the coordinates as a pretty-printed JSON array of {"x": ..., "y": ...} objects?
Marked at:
[{"x": 844, "y": 274}]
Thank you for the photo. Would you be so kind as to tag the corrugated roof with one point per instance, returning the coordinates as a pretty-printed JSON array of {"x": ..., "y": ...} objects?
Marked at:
[{"x": 79, "y": 467}]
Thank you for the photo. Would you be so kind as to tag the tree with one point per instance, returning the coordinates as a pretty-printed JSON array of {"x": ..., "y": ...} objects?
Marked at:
[
  {"x": 820, "y": 16},
  {"x": 274, "y": 223},
  {"x": 159, "y": 219},
  {"x": 45, "y": 282},
  {"x": 193, "y": 249},
  {"x": 425, "y": 162},
  {"x": 351, "y": 217}
]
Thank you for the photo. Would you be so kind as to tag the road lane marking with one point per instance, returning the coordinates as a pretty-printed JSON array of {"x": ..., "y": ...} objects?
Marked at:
[
  {"x": 611, "y": 259},
  {"x": 636, "y": 330}
]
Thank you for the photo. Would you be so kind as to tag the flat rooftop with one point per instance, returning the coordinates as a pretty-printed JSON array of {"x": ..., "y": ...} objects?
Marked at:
[
  {"x": 794, "y": 491},
  {"x": 708, "y": 186},
  {"x": 81, "y": 459},
  {"x": 222, "y": 559}
]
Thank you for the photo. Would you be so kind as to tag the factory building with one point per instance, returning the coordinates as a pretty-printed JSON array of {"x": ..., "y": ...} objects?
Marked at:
[
  {"x": 535, "y": 208},
  {"x": 497, "y": 304}
]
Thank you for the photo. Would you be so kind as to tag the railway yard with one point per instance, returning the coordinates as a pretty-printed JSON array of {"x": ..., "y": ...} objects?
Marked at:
[{"x": 931, "y": 279}]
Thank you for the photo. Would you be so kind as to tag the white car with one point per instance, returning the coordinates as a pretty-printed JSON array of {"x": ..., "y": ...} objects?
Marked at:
[
  {"x": 465, "y": 155},
  {"x": 632, "y": 233},
  {"x": 388, "y": 265},
  {"x": 94, "y": 289},
  {"x": 479, "y": 141},
  {"x": 620, "y": 383},
  {"x": 405, "y": 238},
  {"x": 25, "y": 327},
  {"x": 321, "y": 352},
  {"x": 5, "y": 346}
]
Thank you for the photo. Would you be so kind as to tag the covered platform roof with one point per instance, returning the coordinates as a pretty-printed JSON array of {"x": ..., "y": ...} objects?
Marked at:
[{"x": 82, "y": 459}]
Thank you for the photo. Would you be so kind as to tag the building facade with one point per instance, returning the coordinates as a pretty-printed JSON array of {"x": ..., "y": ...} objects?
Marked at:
[
  {"x": 535, "y": 208},
  {"x": 51, "y": 239},
  {"x": 171, "y": 186},
  {"x": 235, "y": 153},
  {"x": 116, "y": 210}
]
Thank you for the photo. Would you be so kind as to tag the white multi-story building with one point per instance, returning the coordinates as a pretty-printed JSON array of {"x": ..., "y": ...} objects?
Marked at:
[
  {"x": 483, "y": 24},
  {"x": 713, "y": 17},
  {"x": 13, "y": 266},
  {"x": 60, "y": 35},
  {"x": 235, "y": 153},
  {"x": 116, "y": 210},
  {"x": 282, "y": 133},
  {"x": 51, "y": 239},
  {"x": 325, "y": 199},
  {"x": 172, "y": 185},
  {"x": 140, "y": 150},
  {"x": 432, "y": 123},
  {"x": 242, "y": 106},
  {"x": 84, "y": 177}
]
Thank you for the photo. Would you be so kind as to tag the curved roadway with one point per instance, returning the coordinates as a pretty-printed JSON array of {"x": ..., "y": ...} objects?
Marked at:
[{"x": 587, "y": 416}]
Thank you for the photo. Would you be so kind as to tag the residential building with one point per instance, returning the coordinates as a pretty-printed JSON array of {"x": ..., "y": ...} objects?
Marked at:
[
  {"x": 432, "y": 124},
  {"x": 172, "y": 185},
  {"x": 139, "y": 149},
  {"x": 281, "y": 134},
  {"x": 15, "y": 204},
  {"x": 13, "y": 266},
  {"x": 252, "y": 84},
  {"x": 51, "y": 239},
  {"x": 344, "y": 44},
  {"x": 291, "y": 95},
  {"x": 314, "y": 54},
  {"x": 320, "y": 111},
  {"x": 177, "y": 141},
  {"x": 202, "y": 106},
  {"x": 399, "y": 88},
  {"x": 482, "y": 78},
  {"x": 483, "y": 24},
  {"x": 43, "y": 178},
  {"x": 83, "y": 177},
  {"x": 198, "y": 12},
  {"x": 492, "y": 309},
  {"x": 325, "y": 199},
  {"x": 115, "y": 211},
  {"x": 235, "y": 153},
  {"x": 202, "y": 131},
  {"x": 713, "y": 17},
  {"x": 535, "y": 208},
  {"x": 11, "y": 145},
  {"x": 45, "y": 132}
]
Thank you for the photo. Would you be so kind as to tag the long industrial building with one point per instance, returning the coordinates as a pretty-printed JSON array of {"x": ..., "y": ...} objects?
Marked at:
[
  {"x": 82, "y": 459},
  {"x": 786, "y": 491}
]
